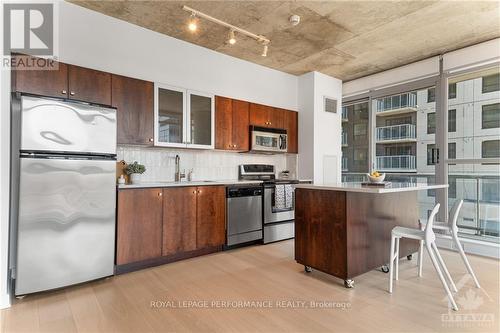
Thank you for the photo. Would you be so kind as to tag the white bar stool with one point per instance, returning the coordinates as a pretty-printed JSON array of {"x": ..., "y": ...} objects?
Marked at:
[
  {"x": 451, "y": 228},
  {"x": 428, "y": 237}
]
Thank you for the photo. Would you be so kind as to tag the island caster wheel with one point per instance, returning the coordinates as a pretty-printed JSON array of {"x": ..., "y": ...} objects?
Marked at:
[
  {"x": 308, "y": 269},
  {"x": 349, "y": 283},
  {"x": 385, "y": 269},
  {"x": 409, "y": 257}
]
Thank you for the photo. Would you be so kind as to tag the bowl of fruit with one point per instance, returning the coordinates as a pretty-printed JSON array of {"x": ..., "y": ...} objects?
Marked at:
[{"x": 376, "y": 177}]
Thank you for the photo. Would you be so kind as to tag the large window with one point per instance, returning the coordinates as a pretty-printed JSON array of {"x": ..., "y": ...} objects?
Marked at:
[
  {"x": 355, "y": 158},
  {"x": 491, "y": 116},
  {"x": 490, "y": 149},
  {"x": 491, "y": 83}
]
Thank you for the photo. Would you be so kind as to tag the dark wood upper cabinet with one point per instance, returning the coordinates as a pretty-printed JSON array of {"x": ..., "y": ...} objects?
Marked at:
[
  {"x": 241, "y": 125},
  {"x": 266, "y": 116},
  {"x": 211, "y": 212},
  {"x": 139, "y": 226},
  {"x": 179, "y": 220},
  {"x": 259, "y": 115},
  {"x": 133, "y": 99},
  {"x": 223, "y": 123},
  {"x": 231, "y": 124},
  {"x": 292, "y": 130},
  {"x": 89, "y": 85},
  {"x": 46, "y": 82},
  {"x": 277, "y": 118}
]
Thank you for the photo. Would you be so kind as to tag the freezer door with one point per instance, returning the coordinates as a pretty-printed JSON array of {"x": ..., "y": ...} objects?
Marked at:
[
  {"x": 58, "y": 126},
  {"x": 66, "y": 223}
]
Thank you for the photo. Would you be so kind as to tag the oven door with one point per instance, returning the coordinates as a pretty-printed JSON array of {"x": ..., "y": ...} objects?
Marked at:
[
  {"x": 269, "y": 142},
  {"x": 272, "y": 214}
]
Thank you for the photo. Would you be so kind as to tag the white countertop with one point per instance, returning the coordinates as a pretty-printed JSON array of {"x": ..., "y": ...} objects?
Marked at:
[
  {"x": 357, "y": 187},
  {"x": 192, "y": 183},
  {"x": 196, "y": 183}
]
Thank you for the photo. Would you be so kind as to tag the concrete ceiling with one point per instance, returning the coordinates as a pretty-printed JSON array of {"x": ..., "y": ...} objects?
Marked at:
[{"x": 344, "y": 39}]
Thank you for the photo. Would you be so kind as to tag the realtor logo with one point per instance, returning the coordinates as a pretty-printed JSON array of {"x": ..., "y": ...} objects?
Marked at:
[{"x": 28, "y": 28}]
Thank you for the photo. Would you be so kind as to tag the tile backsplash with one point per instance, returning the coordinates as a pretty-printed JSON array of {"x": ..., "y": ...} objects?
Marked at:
[{"x": 206, "y": 164}]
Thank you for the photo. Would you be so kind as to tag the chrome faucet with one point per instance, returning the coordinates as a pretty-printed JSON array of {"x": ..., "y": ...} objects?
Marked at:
[{"x": 178, "y": 174}]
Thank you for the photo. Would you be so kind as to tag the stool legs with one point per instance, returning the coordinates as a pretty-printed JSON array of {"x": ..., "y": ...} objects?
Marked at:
[
  {"x": 464, "y": 258},
  {"x": 443, "y": 266},
  {"x": 441, "y": 277},
  {"x": 397, "y": 260},
  {"x": 391, "y": 262}
]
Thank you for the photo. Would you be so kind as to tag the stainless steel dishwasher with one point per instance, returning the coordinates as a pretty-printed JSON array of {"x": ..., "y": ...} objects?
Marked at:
[{"x": 244, "y": 214}]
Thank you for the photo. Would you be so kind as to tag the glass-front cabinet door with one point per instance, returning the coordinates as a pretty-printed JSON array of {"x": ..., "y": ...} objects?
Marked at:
[
  {"x": 170, "y": 110},
  {"x": 201, "y": 120},
  {"x": 183, "y": 118}
]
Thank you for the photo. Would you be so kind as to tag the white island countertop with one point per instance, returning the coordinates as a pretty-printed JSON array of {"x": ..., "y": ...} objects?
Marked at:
[{"x": 358, "y": 187}]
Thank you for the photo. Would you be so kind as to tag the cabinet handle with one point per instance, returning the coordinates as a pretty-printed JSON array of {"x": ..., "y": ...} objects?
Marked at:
[
  {"x": 234, "y": 146},
  {"x": 194, "y": 192},
  {"x": 199, "y": 191},
  {"x": 64, "y": 92},
  {"x": 160, "y": 194},
  {"x": 72, "y": 93},
  {"x": 150, "y": 139},
  {"x": 229, "y": 146}
]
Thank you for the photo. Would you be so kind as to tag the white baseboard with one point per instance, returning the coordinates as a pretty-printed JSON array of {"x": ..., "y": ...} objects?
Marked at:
[{"x": 471, "y": 246}]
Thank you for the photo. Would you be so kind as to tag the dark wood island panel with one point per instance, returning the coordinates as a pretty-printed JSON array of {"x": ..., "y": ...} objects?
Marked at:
[{"x": 347, "y": 234}]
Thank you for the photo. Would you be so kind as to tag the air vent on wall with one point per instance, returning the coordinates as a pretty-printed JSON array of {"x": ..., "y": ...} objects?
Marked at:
[{"x": 330, "y": 105}]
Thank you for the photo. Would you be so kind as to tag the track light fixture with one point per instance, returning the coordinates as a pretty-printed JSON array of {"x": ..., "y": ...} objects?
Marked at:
[
  {"x": 264, "y": 51},
  {"x": 232, "y": 29},
  {"x": 231, "y": 39},
  {"x": 192, "y": 25}
]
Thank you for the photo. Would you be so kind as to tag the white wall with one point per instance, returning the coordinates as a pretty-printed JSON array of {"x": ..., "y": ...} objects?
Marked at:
[
  {"x": 319, "y": 132},
  {"x": 306, "y": 126},
  {"x": 94, "y": 40}
]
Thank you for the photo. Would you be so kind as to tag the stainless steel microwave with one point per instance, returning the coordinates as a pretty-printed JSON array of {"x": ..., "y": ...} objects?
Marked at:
[{"x": 268, "y": 140}]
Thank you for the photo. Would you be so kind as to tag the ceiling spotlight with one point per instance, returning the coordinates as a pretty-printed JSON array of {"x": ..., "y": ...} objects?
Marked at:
[
  {"x": 230, "y": 39},
  {"x": 294, "y": 19},
  {"x": 192, "y": 25},
  {"x": 264, "y": 51}
]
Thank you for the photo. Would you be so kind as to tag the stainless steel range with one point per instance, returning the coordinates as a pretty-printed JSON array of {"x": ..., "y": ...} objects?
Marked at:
[{"x": 279, "y": 201}]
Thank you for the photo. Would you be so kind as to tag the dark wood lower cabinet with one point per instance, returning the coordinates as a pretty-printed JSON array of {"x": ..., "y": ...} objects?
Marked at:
[
  {"x": 139, "y": 229},
  {"x": 179, "y": 220},
  {"x": 210, "y": 216},
  {"x": 157, "y": 226}
]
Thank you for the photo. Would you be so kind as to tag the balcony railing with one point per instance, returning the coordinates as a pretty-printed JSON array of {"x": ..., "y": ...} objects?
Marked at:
[
  {"x": 396, "y": 132},
  {"x": 344, "y": 138},
  {"x": 344, "y": 113},
  {"x": 344, "y": 163},
  {"x": 395, "y": 102},
  {"x": 396, "y": 163}
]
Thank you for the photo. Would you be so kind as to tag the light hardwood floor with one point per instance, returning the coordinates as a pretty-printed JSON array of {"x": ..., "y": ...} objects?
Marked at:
[{"x": 263, "y": 273}]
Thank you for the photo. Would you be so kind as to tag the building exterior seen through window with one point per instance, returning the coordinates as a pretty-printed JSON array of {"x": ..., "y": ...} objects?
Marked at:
[{"x": 404, "y": 134}]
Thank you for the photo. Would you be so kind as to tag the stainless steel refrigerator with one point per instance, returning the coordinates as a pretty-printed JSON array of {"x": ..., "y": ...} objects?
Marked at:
[{"x": 64, "y": 158}]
